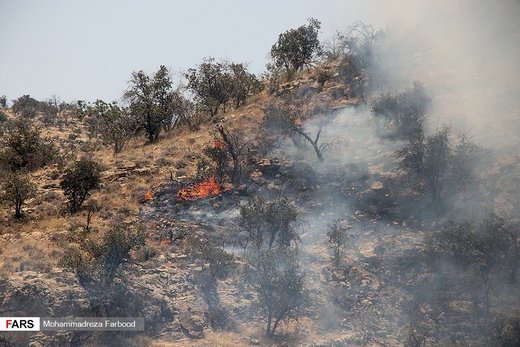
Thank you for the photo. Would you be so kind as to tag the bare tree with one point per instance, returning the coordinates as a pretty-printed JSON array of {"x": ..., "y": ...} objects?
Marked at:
[
  {"x": 236, "y": 146},
  {"x": 284, "y": 119}
]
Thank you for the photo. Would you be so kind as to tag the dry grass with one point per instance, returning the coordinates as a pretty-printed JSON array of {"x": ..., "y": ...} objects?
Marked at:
[
  {"x": 38, "y": 242},
  {"x": 223, "y": 339},
  {"x": 29, "y": 254}
]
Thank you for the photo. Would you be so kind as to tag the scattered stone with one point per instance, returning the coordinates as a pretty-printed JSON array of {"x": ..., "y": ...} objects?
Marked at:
[{"x": 376, "y": 185}]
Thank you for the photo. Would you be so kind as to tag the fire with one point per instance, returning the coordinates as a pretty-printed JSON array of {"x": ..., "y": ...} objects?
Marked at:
[
  {"x": 148, "y": 196},
  {"x": 217, "y": 144},
  {"x": 200, "y": 190}
]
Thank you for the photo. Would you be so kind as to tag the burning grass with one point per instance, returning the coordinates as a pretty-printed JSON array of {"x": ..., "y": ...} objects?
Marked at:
[{"x": 200, "y": 190}]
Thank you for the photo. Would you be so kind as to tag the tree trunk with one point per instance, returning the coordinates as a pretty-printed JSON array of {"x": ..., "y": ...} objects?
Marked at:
[
  {"x": 275, "y": 326},
  {"x": 232, "y": 150},
  {"x": 314, "y": 142},
  {"x": 268, "y": 329},
  {"x": 336, "y": 257},
  {"x": 18, "y": 209}
]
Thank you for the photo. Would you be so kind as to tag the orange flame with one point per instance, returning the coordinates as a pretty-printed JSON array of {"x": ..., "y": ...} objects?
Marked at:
[
  {"x": 148, "y": 196},
  {"x": 217, "y": 144},
  {"x": 165, "y": 242},
  {"x": 200, "y": 190}
]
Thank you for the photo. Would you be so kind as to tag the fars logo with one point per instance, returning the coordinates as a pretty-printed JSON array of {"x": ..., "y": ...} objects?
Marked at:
[{"x": 19, "y": 323}]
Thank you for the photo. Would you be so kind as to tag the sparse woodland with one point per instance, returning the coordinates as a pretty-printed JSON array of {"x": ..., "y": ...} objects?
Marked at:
[{"x": 304, "y": 207}]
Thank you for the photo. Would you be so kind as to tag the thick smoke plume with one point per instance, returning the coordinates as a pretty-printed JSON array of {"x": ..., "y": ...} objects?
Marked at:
[{"x": 466, "y": 53}]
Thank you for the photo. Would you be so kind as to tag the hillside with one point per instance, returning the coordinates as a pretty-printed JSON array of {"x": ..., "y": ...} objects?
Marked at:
[{"x": 426, "y": 225}]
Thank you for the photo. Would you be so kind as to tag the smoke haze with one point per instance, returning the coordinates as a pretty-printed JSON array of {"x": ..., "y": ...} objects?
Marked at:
[{"x": 466, "y": 53}]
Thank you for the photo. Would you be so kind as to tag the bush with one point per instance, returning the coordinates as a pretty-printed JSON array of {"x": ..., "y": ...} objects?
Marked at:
[
  {"x": 17, "y": 189},
  {"x": 481, "y": 251},
  {"x": 337, "y": 240},
  {"x": 111, "y": 122},
  {"x": 403, "y": 112},
  {"x": 97, "y": 264},
  {"x": 79, "y": 181},
  {"x": 275, "y": 276},
  {"x": 506, "y": 330},
  {"x": 439, "y": 165},
  {"x": 217, "y": 264},
  {"x": 25, "y": 149},
  {"x": 268, "y": 222},
  {"x": 323, "y": 76},
  {"x": 28, "y": 107},
  {"x": 297, "y": 48}
]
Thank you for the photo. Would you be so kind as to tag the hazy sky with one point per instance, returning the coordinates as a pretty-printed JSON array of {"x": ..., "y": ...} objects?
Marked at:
[{"x": 88, "y": 49}]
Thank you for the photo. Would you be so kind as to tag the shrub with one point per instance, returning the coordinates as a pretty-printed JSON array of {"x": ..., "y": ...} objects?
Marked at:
[
  {"x": 337, "y": 240},
  {"x": 269, "y": 222},
  {"x": 97, "y": 264},
  {"x": 25, "y": 149},
  {"x": 217, "y": 264},
  {"x": 275, "y": 276},
  {"x": 17, "y": 189},
  {"x": 323, "y": 76},
  {"x": 112, "y": 123},
  {"x": 403, "y": 112},
  {"x": 297, "y": 48},
  {"x": 79, "y": 181}
]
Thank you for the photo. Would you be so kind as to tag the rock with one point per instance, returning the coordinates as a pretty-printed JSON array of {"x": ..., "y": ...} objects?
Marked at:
[
  {"x": 192, "y": 324},
  {"x": 254, "y": 342},
  {"x": 376, "y": 185}
]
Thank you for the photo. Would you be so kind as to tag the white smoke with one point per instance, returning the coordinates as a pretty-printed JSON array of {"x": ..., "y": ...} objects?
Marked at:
[{"x": 467, "y": 55}]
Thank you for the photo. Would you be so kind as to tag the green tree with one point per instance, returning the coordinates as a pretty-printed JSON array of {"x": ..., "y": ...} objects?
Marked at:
[
  {"x": 18, "y": 187},
  {"x": 276, "y": 278},
  {"x": 267, "y": 222},
  {"x": 24, "y": 148},
  {"x": 211, "y": 83},
  {"x": 481, "y": 251},
  {"x": 27, "y": 106},
  {"x": 79, "y": 181},
  {"x": 112, "y": 123},
  {"x": 185, "y": 112},
  {"x": 297, "y": 48},
  {"x": 151, "y": 101},
  {"x": 52, "y": 109},
  {"x": 243, "y": 83},
  {"x": 3, "y": 101}
]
